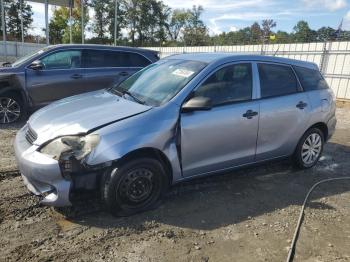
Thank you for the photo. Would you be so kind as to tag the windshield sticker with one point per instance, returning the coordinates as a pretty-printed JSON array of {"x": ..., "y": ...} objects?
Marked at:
[{"x": 182, "y": 73}]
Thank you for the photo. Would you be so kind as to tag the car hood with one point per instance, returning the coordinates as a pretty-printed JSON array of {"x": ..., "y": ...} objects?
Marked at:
[{"x": 81, "y": 113}]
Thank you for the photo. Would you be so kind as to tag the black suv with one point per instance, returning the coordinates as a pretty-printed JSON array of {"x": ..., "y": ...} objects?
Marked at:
[{"x": 55, "y": 72}]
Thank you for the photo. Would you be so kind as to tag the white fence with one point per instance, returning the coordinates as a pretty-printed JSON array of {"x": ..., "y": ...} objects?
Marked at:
[
  {"x": 333, "y": 58},
  {"x": 17, "y": 49}
]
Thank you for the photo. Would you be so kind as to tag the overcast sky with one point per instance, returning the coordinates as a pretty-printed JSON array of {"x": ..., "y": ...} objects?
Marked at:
[{"x": 227, "y": 15}]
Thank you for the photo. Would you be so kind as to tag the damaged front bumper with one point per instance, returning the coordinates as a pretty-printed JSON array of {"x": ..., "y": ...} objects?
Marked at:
[{"x": 41, "y": 174}]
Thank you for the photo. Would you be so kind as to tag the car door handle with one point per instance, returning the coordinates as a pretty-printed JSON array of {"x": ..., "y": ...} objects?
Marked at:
[
  {"x": 301, "y": 105},
  {"x": 123, "y": 73},
  {"x": 76, "y": 76},
  {"x": 250, "y": 114}
]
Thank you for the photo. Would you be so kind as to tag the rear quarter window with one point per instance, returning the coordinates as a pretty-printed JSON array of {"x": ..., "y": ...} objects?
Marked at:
[
  {"x": 310, "y": 79},
  {"x": 108, "y": 58}
]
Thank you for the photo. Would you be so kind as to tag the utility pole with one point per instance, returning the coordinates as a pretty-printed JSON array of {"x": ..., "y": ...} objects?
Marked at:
[
  {"x": 21, "y": 9},
  {"x": 115, "y": 21},
  {"x": 82, "y": 21},
  {"x": 47, "y": 21},
  {"x": 3, "y": 29},
  {"x": 70, "y": 21}
]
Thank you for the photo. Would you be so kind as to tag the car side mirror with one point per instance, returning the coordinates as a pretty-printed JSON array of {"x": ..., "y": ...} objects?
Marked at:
[
  {"x": 198, "y": 103},
  {"x": 36, "y": 65}
]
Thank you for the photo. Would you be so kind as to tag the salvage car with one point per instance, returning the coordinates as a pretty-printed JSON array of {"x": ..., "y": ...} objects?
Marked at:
[
  {"x": 59, "y": 71},
  {"x": 182, "y": 117}
]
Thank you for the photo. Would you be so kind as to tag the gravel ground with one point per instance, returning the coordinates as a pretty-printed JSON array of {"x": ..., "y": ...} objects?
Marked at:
[{"x": 247, "y": 215}]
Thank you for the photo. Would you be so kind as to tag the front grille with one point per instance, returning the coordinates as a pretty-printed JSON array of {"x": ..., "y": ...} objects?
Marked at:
[{"x": 31, "y": 136}]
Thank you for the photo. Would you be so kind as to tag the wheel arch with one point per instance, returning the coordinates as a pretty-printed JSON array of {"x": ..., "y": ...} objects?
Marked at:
[
  {"x": 6, "y": 88},
  {"x": 150, "y": 152},
  {"x": 321, "y": 126}
]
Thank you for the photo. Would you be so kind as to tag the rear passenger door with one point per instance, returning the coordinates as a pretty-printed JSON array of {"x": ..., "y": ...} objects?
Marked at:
[
  {"x": 106, "y": 68},
  {"x": 284, "y": 111}
]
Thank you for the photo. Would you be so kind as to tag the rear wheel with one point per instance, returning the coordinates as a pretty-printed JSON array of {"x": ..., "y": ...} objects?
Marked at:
[
  {"x": 134, "y": 187},
  {"x": 11, "y": 108},
  {"x": 309, "y": 149}
]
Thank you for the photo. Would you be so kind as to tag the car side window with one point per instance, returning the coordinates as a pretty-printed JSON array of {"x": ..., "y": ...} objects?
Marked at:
[
  {"x": 276, "y": 80},
  {"x": 232, "y": 83},
  {"x": 107, "y": 58},
  {"x": 63, "y": 60},
  {"x": 310, "y": 79}
]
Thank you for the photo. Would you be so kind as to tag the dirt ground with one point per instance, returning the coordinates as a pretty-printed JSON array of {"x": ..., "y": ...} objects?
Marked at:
[{"x": 246, "y": 215}]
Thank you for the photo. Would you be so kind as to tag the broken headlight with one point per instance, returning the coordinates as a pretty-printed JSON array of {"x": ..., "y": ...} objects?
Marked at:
[{"x": 77, "y": 146}]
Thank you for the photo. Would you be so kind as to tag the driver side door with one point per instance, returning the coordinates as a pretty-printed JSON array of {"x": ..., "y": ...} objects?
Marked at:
[{"x": 224, "y": 136}]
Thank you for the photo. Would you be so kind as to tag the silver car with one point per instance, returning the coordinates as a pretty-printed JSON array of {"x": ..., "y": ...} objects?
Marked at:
[{"x": 183, "y": 117}]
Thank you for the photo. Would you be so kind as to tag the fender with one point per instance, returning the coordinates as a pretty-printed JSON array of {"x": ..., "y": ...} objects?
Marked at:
[{"x": 153, "y": 129}]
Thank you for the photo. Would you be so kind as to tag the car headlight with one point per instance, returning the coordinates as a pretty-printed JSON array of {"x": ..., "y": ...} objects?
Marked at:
[{"x": 77, "y": 146}]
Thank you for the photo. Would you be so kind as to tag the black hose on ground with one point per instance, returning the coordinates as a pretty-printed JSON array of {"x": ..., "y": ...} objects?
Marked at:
[{"x": 301, "y": 216}]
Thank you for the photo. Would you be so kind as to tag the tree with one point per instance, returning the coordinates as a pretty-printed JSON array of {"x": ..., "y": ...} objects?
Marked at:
[
  {"x": 267, "y": 25},
  {"x": 121, "y": 23},
  {"x": 58, "y": 24},
  {"x": 195, "y": 32},
  {"x": 303, "y": 33},
  {"x": 256, "y": 33},
  {"x": 326, "y": 34},
  {"x": 13, "y": 14},
  {"x": 179, "y": 19},
  {"x": 59, "y": 28},
  {"x": 101, "y": 20},
  {"x": 283, "y": 37}
]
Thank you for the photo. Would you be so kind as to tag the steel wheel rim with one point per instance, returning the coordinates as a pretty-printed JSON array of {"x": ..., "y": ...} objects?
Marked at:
[
  {"x": 137, "y": 186},
  {"x": 311, "y": 148},
  {"x": 10, "y": 110}
]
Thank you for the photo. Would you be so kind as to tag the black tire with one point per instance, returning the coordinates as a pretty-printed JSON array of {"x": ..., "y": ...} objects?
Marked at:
[
  {"x": 301, "y": 162},
  {"x": 134, "y": 187},
  {"x": 13, "y": 113}
]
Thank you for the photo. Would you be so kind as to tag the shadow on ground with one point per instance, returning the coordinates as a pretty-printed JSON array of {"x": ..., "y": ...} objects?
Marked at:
[{"x": 230, "y": 198}]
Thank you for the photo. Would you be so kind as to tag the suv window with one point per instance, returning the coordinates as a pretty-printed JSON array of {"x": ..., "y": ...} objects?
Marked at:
[
  {"x": 276, "y": 80},
  {"x": 310, "y": 79},
  {"x": 229, "y": 84},
  {"x": 106, "y": 58},
  {"x": 62, "y": 60}
]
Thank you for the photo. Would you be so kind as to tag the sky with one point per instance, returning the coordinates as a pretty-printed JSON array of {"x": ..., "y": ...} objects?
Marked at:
[{"x": 232, "y": 15}]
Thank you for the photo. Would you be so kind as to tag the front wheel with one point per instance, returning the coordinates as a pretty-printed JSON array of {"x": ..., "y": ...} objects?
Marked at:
[
  {"x": 309, "y": 148},
  {"x": 134, "y": 187}
]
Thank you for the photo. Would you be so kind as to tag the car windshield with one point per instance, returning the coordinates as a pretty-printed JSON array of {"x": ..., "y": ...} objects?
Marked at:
[
  {"x": 28, "y": 57},
  {"x": 160, "y": 82}
]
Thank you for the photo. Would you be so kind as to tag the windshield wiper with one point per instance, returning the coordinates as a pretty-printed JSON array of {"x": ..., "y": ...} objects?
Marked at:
[
  {"x": 121, "y": 92},
  {"x": 6, "y": 64},
  {"x": 133, "y": 97}
]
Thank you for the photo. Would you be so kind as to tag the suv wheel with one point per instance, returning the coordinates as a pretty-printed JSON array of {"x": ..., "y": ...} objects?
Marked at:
[
  {"x": 309, "y": 148},
  {"x": 134, "y": 187},
  {"x": 11, "y": 108}
]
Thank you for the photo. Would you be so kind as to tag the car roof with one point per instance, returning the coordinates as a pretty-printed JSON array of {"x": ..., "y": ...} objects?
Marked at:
[
  {"x": 108, "y": 47},
  {"x": 228, "y": 57}
]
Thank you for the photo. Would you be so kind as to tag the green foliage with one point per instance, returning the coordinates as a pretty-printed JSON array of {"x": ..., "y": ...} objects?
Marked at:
[
  {"x": 59, "y": 31},
  {"x": 195, "y": 32},
  {"x": 303, "y": 33},
  {"x": 13, "y": 19},
  {"x": 152, "y": 23}
]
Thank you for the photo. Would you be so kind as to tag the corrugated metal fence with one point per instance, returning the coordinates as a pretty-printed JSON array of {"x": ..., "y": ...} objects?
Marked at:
[
  {"x": 17, "y": 49},
  {"x": 333, "y": 58}
]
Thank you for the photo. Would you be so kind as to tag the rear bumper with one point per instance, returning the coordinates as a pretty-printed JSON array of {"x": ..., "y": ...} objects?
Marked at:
[{"x": 41, "y": 174}]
